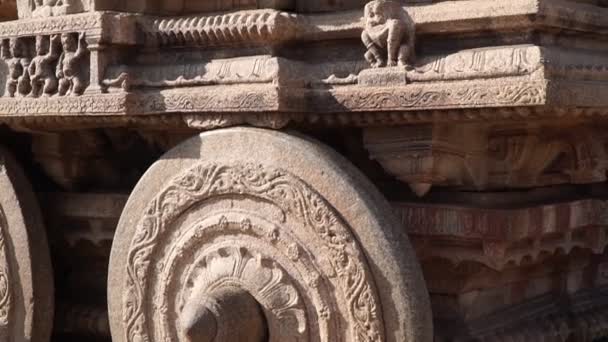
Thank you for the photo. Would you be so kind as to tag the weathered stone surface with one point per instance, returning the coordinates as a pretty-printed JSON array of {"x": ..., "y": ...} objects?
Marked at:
[
  {"x": 315, "y": 244},
  {"x": 513, "y": 76},
  {"x": 449, "y": 97},
  {"x": 49, "y": 8},
  {"x": 389, "y": 35},
  {"x": 26, "y": 281},
  {"x": 485, "y": 156},
  {"x": 488, "y": 268}
]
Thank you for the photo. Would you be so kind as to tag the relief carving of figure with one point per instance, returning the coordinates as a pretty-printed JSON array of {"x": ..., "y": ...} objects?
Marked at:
[
  {"x": 15, "y": 53},
  {"x": 42, "y": 67},
  {"x": 47, "y": 8},
  {"x": 389, "y": 34},
  {"x": 70, "y": 73}
]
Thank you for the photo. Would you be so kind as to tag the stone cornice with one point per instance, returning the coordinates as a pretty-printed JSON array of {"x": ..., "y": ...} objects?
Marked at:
[
  {"x": 269, "y": 98},
  {"x": 110, "y": 27},
  {"x": 271, "y": 26},
  {"x": 449, "y": 17},
  {"x": 498, "y": 234}
]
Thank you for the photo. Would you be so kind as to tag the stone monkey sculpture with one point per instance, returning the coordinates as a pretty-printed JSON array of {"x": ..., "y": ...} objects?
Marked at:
[
  {"x": 42, "y": 67},
  {"x": 70, "y": 73},
  {"x": 389, "y": 34}
]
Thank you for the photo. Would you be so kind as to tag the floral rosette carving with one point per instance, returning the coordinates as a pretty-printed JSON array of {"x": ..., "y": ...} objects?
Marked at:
[{"x": 260, "y": 229}]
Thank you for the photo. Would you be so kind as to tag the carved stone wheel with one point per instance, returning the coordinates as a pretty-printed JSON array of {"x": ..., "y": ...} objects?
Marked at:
[
  {"x": 26, "y": 283},
  {"x": 252, "y": 235}
]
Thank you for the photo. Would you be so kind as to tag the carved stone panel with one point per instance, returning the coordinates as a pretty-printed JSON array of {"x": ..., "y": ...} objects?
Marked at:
[
  {"x": 485, "y": 156},
  {"x": 46, "y": 65},
  {"x": 49, "y": 8}
]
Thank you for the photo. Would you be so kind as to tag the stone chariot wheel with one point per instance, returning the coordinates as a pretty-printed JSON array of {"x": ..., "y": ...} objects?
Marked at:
[
  {"x": 253, "y": 235},
  {"x": 26, "y": 283}
]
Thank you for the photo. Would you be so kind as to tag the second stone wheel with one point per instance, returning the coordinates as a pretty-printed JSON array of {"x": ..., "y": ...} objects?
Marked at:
[
  {"x": 26, "y": 282},
  {"x": 253, "y": 235}
]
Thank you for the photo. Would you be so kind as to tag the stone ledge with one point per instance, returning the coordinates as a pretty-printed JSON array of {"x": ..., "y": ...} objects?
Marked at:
[{"x": 465, "y": 16}]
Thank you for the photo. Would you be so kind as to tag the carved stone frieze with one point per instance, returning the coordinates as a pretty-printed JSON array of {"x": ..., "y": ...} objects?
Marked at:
[
  {"x": 437, "y": 17},
  {"x": 477, "y": 156},
  {"x": 46, "y": 65},
  {"x": 414, "y": 96},
  {"x": 525, "y": 273},
  {"x": 519, "y": 75},
  {"x": 465, "y": 65},
  {"x": 242, "y": 28},
  {"x": 521, "y": 69},
  {"x": 579, "y": 316},
  {"x": 106, "y": 26},
  {"x": 479, "y": 63},
  {"x": 229, "y": 71},
  {"x": 498, "y": 238},
  {"x": 48, "y": 8}
]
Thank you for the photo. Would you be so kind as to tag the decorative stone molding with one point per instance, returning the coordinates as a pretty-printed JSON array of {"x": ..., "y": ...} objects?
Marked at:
[
  {"x": 228, "y": 71},
  {"x": 522, "y": 69},
  {"x": 479, "y": 63},
  {"x": 459, "y": 66},
  {"x": 500, "y": 238},
  {"x": 430, "y": 18},
  {"x": 243, "y": 28},
  {"x": 108, "y": 27},
  {"x": 477, "y": 156}
]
